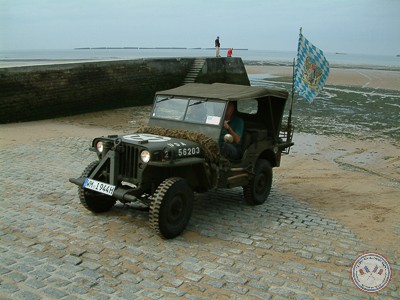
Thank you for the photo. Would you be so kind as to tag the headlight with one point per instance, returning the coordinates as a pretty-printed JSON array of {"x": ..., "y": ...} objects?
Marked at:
[
  {"x": 145, "y": 156},
  {"x": 100, "y": 146}
]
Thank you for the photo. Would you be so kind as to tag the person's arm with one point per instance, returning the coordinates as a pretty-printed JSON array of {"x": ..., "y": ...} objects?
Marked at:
[{"x": 236, "y": 137}]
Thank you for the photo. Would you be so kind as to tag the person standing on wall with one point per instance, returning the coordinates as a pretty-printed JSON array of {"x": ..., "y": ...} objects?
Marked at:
[
  {"x": 229, "y": 53},
  {"x": 217, "y": 46}
]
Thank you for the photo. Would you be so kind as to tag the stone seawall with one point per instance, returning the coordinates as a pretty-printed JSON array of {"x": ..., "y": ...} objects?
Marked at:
[{"x": 47, "y": 91}]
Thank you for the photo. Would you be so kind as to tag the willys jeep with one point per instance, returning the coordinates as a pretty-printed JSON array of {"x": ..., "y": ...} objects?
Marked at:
[{"x": 163, "y": 164}]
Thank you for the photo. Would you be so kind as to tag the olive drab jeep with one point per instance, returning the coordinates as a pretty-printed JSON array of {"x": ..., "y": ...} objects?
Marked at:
[{"x": 177, "y": 154}]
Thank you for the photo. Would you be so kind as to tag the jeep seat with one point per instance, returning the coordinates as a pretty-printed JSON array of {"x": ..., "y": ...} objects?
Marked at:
[
  {"x": 248, "y": 139},
  {"x": 252, "y": 136}
]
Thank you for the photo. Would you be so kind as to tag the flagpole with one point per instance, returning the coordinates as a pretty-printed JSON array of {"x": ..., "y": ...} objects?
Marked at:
[{"x": 289, "y": 125}]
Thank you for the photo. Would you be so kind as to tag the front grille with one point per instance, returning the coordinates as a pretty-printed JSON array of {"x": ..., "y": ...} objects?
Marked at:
[{"x": 128, "y": 162}]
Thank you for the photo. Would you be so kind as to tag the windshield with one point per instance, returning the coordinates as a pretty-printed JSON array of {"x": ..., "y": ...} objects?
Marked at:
[{"x": 201, "y": 111}]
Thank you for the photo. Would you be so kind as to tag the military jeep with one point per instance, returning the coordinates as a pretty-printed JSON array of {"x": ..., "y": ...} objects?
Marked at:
[{"x": 163, "y": 164}]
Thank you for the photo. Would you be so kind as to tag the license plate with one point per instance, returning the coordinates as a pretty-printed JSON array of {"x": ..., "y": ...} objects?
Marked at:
[{"x": 99, "y": 186}]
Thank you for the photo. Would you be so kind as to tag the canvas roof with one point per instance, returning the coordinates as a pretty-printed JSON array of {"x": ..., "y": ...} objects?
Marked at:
[{"x": 229, "y": 92}]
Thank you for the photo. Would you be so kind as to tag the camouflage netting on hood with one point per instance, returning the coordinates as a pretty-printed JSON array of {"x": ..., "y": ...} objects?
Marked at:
[{"x": 208, "y": 145}]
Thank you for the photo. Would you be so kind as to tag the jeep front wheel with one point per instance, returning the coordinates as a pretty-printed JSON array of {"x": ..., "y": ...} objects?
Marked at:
[
  {"x": 258, "y": 188},
  {"x": 94, "y": 201},
  {"x": 171, "y": 207}
]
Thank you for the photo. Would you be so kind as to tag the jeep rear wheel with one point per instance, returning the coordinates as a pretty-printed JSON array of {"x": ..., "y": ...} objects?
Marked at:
[
  {"x": 91, "y": 200},
  {"x": 171, "y": 207},
  {"x": 259, "y": 187}
]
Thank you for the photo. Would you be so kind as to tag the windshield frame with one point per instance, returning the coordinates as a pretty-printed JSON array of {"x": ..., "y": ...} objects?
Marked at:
[{"x": 193, "y": 110}]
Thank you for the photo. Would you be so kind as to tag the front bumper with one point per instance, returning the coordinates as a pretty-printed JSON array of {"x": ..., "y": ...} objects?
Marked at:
[{"x": 119, "y": 193}]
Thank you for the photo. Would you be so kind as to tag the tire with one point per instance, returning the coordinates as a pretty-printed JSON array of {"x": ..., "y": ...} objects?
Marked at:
[
  {"x": 259, "y": 187},
  {"x": 171, "y": 207},
  {"x": 91, "y": 200}
]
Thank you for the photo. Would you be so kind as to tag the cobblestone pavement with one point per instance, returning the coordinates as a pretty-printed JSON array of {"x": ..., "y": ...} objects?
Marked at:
[{"x": 52, "y": 248}]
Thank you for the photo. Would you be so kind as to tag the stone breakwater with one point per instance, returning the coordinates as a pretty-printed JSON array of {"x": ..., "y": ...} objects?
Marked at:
[{"x": 48, "y": 91}]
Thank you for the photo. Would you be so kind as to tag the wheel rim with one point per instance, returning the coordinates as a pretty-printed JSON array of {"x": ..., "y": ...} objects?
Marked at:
[
  {"x": 261, "y": 184},
  {"x": 176, "y": 209}
]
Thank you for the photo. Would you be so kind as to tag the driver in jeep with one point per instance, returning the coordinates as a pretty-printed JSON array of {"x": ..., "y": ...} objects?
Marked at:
[{"x": 231, "y": 147}]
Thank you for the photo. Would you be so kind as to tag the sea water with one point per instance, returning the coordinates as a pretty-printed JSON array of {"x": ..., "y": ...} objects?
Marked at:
[{"x": 263, "y": 56}]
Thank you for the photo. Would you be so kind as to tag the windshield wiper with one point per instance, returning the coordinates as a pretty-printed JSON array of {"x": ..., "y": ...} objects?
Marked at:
[
  {"x": 198, "y": 102},
  {"x": 164, "y": 99}
]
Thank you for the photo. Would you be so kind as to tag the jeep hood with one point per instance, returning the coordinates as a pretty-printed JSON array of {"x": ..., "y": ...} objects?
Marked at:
[{"x": 154, "y": 141}]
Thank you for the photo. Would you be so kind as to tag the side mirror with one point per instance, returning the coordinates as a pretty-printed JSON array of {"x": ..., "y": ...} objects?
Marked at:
[{"x": 228, "y": 138}]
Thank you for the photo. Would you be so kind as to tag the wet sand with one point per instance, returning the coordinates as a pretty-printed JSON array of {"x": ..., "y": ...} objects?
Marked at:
[
  {"x": 356, "y": 182},
  {"x": 378, "y": 79}
]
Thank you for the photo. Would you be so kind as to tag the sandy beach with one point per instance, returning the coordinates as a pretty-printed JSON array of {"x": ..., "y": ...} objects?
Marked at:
[{"x": 356, "y": 182}]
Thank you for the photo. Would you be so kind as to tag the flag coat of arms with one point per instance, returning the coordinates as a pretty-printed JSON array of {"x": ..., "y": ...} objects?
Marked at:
[{"x": 312, "y": 70}]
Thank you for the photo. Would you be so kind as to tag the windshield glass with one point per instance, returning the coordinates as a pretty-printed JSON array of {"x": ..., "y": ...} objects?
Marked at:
[
  {"x": 201, "y": 111},
  {"x": 170, "y": 108}
]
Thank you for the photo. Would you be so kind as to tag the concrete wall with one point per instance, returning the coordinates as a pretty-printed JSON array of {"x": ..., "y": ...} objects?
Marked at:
[
  {"x": 47, "y": 91},
  {"x": 224, "y": 70}
]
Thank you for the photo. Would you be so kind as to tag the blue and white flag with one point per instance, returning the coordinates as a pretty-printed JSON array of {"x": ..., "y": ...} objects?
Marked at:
[{"x": 312, "y": 70}]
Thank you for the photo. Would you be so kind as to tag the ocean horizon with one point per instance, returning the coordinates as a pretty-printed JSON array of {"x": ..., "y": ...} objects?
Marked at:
[{"x": 121, "y": 53}]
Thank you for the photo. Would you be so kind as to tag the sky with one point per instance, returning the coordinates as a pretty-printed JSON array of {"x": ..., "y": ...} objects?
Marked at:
[{"x": 348, "y": 26}]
